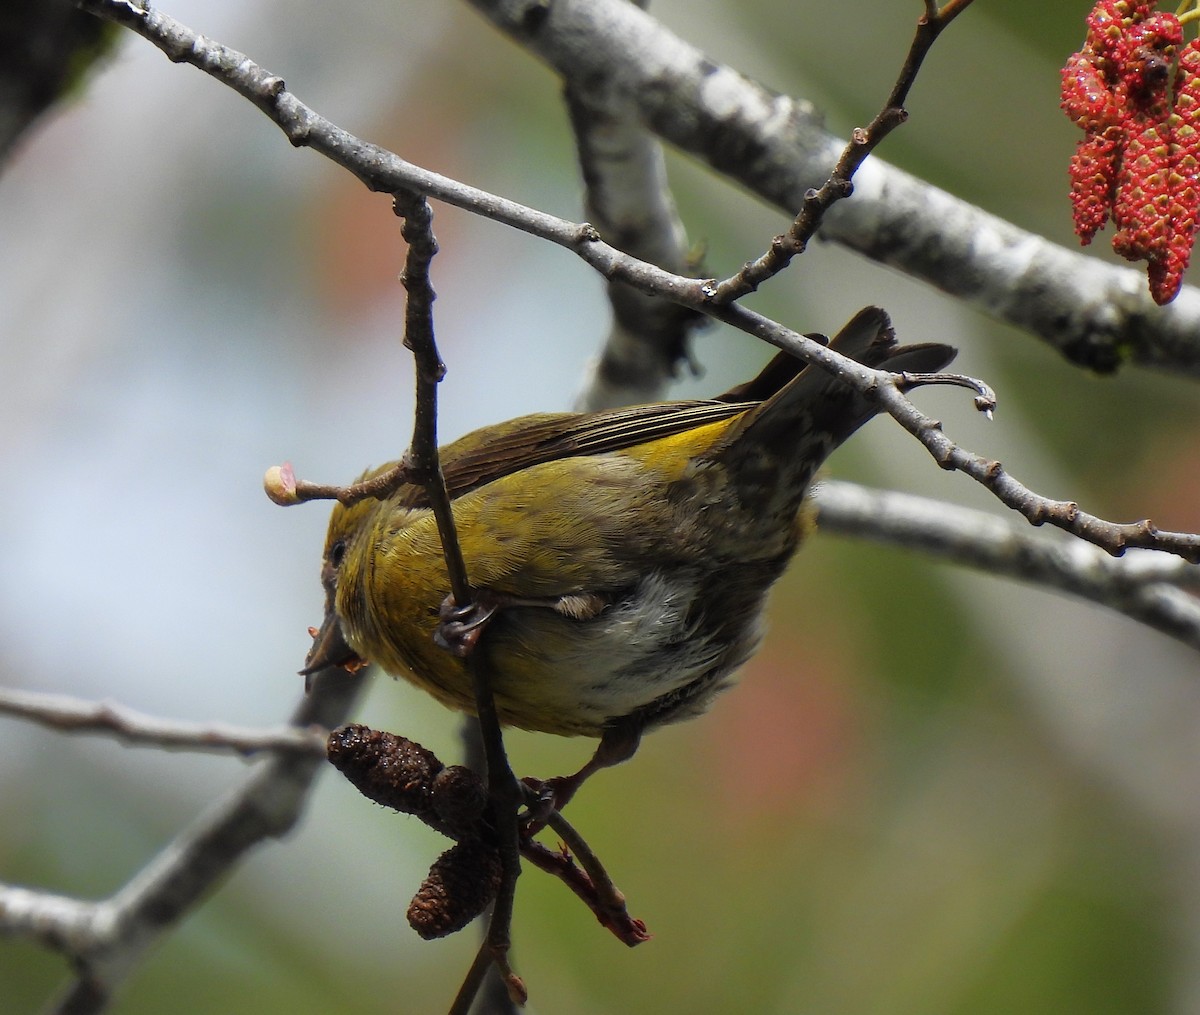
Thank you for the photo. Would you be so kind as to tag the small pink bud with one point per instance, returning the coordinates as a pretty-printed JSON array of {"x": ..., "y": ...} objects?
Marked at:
[{"x": 280, "y": 484}]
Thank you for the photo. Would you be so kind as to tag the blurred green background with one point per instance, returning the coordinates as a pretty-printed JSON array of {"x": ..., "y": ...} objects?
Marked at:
[{"x": 932, "y": 793}]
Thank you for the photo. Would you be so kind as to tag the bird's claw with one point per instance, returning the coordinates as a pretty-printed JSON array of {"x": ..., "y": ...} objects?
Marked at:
[
  {"x": 460, "y": 627},
  {"x": 543, "y": 798}
]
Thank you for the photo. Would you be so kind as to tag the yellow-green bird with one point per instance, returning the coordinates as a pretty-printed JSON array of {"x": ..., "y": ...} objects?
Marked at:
[{"x": 619, "y": 560}]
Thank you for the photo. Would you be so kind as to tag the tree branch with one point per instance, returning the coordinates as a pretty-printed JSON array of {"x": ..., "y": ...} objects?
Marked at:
[
  {"x": 628, "y": 200},
  {"x": 839, "y": 185},
  {"x": 1096, "y": 314},
  {"x": 68, "y": 714},
  {"x": 1145, "y": 587},
  {"x": 106, "y": 939},
  {"x": 46, "y": 48}
]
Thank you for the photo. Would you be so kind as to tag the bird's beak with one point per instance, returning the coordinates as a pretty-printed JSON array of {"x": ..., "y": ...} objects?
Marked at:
[{"x": 329, "y": 648}]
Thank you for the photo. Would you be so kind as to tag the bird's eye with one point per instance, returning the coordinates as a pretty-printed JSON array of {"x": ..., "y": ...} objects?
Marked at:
[{"x": 337, "y": 552}]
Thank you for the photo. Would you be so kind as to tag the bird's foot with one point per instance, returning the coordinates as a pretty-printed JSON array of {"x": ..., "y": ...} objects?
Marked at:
[
  {"x": 460, "y": 627},
  {"x": 543, "y": 798}
]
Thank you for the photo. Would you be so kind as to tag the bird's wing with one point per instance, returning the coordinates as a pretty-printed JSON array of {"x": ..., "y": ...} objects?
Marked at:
[{"x": 484, "y": 456}]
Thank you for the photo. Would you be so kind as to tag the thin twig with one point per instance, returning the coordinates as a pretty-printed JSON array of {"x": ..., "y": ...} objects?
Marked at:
[
  {"x": 473, "y": 981},
  {"x": 423, "y": 467},
  {"x": 607, "y": 905},
  {"x": 282, "y": 486},
  {"x": 951, "y": 10},
  {"x": 492, "y": 995},
  {"x": 816, "y": 203},
  {"x": 1113, "y": 537},
  {"x": 610, "y": 901},
  {"x": 929, "y": 27},
  {"x": 76, "y": 715},
  {"x": 1095, "y": 313},
  {"x": 839, "y": 185},
  {"x": 425, "y": 470}
]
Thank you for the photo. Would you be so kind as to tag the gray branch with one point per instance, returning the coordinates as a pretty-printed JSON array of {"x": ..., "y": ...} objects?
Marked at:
[
  {"x": 1096, "y": 314},
  {"x": 628, "y": 200},
  {"x": 106, "y": 939},
  {"x": 1145, "y": 586},
  {"x": 75, "y": 715}
]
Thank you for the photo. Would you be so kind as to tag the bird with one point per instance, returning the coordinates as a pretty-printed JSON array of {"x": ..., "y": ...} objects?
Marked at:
[{"x": 619, "y": 561}]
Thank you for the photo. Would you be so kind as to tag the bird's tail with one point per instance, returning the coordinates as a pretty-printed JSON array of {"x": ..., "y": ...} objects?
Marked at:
[{"x": 807, "y": 412}]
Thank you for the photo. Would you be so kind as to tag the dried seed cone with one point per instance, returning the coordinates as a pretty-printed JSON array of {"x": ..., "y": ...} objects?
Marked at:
[
  {"x": 383, "y": 767},
  {"x": 461, "y": 883},
  {"x": 459, "y": 797}
]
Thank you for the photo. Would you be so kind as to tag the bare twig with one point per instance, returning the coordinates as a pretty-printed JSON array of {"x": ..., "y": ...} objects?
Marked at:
[
  {"x": 931, "y": 25},
  {"x": 75, "y": 715},
  {"x": 422, "y": 458},
  {"x": 492, "y": 996},
  {"x": 839, "y": 185},
  {"x": 481, "y": 965},
  {"x": 282, "y": 486},
  {"x": 816, "y": 203},
  {"x": 380, "y": 169},
  {"x": 1097, "y": 314},
  {"x": 606, "y": 902},
  {"x": 609, "y": 900},
  {"x": 1113, "y": 537}
]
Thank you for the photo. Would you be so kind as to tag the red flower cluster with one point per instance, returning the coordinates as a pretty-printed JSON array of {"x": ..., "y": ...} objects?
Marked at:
[{"x": 1135, "y": 91}]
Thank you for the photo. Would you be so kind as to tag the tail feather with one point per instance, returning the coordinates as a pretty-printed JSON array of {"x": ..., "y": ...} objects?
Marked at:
[{"x": 773, "y": 451}]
